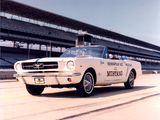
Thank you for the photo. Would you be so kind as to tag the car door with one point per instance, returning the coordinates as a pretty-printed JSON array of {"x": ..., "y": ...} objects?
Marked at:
[{"x": 115, "y": 71}]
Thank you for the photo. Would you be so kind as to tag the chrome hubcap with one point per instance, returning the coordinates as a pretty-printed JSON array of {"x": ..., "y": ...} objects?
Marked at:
[
  {"x": 131, "y": 78},
  {"x": 88, "y": 82}
]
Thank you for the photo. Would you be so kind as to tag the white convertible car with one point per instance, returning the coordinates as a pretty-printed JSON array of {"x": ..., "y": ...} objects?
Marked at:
[{"x": 82, "y": 67}]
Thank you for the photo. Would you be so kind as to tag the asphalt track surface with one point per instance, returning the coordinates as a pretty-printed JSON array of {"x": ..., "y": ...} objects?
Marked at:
[{"x": 106, "y": 103}]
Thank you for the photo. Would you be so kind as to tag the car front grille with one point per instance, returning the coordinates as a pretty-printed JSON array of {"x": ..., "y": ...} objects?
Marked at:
[{"x": 39, "y": 65}]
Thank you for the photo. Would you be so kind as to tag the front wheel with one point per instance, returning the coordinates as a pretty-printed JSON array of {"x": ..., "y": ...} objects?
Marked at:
[
  {"x": 130, "y": 82},
  {"x": 34, "y": 90},
  {"x": 86, "y": 86}
]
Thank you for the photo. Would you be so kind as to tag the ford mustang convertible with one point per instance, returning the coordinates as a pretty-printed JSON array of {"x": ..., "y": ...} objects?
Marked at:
[{"x": 81, "y": 67}]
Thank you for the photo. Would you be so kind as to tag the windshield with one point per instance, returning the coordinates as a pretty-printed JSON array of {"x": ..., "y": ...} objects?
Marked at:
[{"x": 84, "y": 51}]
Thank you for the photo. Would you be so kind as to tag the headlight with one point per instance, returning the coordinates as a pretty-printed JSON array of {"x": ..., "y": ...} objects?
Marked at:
[
  {"x": 70, "y": 65},
  {"x": 18, "y": 67}
]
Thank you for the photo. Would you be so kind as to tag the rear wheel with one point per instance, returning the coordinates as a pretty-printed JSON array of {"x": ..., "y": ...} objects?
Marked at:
[
  {"x": 86, "y": 86},
  {"x": 130, "y": 82},
  {"x": 34, "y": 90}
]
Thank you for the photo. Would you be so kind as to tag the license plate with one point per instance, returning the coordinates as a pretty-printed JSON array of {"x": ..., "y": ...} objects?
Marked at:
[{"x": 39, "y": 80}]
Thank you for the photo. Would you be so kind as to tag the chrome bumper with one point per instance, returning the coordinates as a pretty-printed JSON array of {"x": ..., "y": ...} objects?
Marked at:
[{"x": 47, "y": 75}]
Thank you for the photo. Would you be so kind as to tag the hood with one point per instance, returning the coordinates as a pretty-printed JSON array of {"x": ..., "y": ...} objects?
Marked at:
[{"x": 49, "y": 59}]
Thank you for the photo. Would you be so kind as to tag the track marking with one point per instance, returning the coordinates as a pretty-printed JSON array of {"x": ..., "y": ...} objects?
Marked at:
[
  {"x": 110, "y": 107},
  {"x": 30, "y": 95},
  {"x": 14, "y": 97}
]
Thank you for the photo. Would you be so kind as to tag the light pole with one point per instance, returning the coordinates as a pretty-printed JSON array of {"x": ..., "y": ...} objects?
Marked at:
[{"x": 29, "y": 51}]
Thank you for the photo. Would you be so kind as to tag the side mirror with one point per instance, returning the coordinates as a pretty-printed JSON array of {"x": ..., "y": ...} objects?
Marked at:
[{"x": 110, "y": 56}]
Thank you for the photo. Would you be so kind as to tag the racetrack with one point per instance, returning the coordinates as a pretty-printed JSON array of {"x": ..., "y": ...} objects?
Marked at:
[{"x": 108, "y": 103}]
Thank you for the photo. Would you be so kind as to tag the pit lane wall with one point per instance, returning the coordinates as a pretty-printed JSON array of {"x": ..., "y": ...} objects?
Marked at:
[{"x": 7, "y": 74}]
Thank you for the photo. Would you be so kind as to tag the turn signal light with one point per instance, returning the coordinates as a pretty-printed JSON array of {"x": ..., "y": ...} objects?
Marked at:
[
  {"x": 17, "y": 80},
  {"x": 69, "y": 80}
]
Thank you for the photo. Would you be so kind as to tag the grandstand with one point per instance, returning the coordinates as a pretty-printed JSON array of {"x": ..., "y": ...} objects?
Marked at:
[
  {"x": 32, "y": 33},
  {"x": 15, "y": 8}
]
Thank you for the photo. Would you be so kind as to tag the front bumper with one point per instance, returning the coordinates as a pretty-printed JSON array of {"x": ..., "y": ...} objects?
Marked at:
[
  {"x": 47, "y": 74},
  {"x": 49, "y": 78}
]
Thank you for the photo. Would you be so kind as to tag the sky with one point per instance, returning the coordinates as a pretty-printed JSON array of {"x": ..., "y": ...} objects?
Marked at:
[{"x": 139, "y": 19}]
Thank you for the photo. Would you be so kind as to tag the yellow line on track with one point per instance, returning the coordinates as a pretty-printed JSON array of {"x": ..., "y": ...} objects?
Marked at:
[
  {"x": 14, "y": 97},
  {"x": 30, "y": 95}
]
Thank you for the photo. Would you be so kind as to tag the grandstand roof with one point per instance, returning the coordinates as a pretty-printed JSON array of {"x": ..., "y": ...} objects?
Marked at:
[{"x": 23, "y": 10}]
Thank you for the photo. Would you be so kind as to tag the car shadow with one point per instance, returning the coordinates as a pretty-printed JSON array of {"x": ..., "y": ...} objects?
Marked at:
[
  {"x": 116, "y": 90},
  {"x": 98, "y": 92}
]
